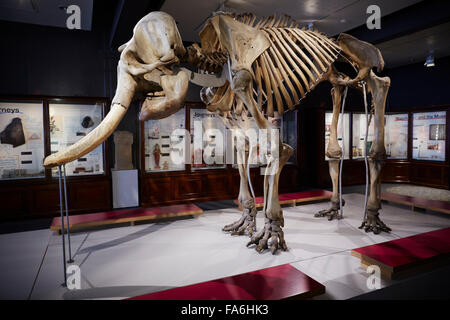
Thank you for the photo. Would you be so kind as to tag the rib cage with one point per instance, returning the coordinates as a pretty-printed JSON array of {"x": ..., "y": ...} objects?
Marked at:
[{"x": 293, "y": 64}]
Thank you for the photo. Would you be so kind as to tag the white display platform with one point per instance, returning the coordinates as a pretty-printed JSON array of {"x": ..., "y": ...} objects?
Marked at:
[
  {"x": 125, "y": 188},
  {"x": 125, "y": 262}
]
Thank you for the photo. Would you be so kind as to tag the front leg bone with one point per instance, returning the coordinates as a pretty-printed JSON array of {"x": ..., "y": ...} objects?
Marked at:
[{"x": 272, "y": 235}]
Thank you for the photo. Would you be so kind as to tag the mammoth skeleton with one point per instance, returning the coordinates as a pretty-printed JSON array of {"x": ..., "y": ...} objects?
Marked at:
[{"x": 265, "y": 64}]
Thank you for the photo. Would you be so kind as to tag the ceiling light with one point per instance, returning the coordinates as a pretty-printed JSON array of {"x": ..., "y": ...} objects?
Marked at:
[{"x": 430, "y": 60}]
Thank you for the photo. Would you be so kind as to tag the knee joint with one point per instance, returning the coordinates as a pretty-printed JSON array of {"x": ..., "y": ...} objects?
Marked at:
[{"x": 241, "y": 81}]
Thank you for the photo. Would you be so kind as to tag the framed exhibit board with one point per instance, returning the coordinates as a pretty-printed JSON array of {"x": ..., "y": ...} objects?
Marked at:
[
  {"x": 346, "y": 126},
  {"x": 289, "y": 132},
  {"x": 396, "y": 136},
  {"x": 359, "y": 134},
  {"x": 22, "y": 142},
  {"x": 231, "y": 149},
  {"x": 214, "y": 141},
  {"x": 69, "y": 123},
  {"x": 429, "y": 136},
  {"x": 162, "y": 138}
]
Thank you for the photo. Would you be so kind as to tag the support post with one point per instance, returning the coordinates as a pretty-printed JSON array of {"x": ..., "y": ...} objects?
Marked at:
[
  {"x": 67, "y": 215},
  {"x": 62, "y": 227}
]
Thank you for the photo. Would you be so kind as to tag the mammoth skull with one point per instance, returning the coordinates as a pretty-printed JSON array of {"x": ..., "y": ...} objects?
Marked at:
[{"x": 147, "y": 66}]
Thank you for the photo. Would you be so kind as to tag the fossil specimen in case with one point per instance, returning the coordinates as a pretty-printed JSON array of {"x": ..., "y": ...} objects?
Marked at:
[{"x": 13, "y": 133}]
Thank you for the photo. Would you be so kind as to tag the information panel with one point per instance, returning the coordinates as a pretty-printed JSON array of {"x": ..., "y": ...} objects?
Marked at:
[
  {"x": 289, "y": 132},
  {"x": 429, "y": 136},
  {"x": 208, "y": 128},
  {"x": 68, "y": 124},
  {"x": 22, "y": 148},
  {"x": 162, "y": 138},
  {"x": 359, "y": 134},
  {"x": 396, "y": 136},
  {"x": 283, "y": 130}
]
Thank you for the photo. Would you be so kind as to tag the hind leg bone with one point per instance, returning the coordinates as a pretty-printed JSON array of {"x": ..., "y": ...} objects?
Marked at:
[
  {"x": 379, "y": 88},
  {"x": 334, "y": 152},
  {"x": 247, "y": 222}
]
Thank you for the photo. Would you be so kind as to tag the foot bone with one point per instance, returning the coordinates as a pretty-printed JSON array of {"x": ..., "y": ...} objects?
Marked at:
[
  {"x": 373, "y": 223},
  {"x": 332, "y": 213},
  {"x": 270, "y": 237},
  {"x": 246, "y": 223}
]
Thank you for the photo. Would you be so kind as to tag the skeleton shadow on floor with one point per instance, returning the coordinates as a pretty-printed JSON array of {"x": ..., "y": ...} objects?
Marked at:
[
  {"x": 129, "y": 237},
  {"x": 112, "y": 292}
]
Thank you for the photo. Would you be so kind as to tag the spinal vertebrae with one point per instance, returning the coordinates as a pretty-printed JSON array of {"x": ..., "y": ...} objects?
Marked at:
[{"x": 207, "y": 60}]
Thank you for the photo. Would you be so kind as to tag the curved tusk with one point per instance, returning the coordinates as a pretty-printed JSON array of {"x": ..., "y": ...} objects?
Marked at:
[{"x": 126, "y": 87}]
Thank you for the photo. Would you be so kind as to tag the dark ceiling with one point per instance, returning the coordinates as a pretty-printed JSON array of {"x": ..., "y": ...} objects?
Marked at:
[{"x": 410, "y": 29}]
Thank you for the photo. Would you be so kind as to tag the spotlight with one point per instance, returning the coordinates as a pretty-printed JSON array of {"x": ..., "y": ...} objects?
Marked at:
[{"x": 430, "y": 60}]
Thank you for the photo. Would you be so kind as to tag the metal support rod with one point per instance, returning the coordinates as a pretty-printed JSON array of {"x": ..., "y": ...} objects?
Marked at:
[
  {"x": 365, "y": 151},
  {"x": 248, "y": 169},
  {"x": 67, "y": 215},
  {"x": 62, "y": 226},
  {"x": 341, "y": 209}
]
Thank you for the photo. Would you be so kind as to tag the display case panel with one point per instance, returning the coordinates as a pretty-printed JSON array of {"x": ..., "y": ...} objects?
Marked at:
[
  {"x": 277, "y": 123},
  {"x": 396, "y": 136},
  {"x": 22, "y": 147},
  {"x": 429, "y": 136},
  {"x": 359, "y": 134},
  {"x": 213, "y": 138},
  {"x": 289, "y": 132},
  {"x": 68, "y": 124},
  {"x": 346, "y": 126},
  {"x": 161, "y": 139}
]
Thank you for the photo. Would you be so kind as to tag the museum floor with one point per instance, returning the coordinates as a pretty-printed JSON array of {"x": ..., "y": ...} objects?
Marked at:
[{"x": 129, "y": 261}]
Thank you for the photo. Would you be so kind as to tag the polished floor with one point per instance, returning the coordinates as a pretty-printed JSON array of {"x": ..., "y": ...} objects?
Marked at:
[{"x": 129, "y": 261}]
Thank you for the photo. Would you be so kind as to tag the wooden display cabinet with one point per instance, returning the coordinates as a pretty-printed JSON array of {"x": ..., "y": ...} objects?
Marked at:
[
  {"x": 408, "y": 170},
  {"x": 39, "y": 197},
  {"x": 189, "y": 185}
]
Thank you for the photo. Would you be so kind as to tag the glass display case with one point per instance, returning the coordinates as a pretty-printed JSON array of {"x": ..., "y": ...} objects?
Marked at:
[
  {"x": 278, "y": 123},
  {"x": 211, "y": 132},
  {"x": 359, "y": 134},
  {"x": 429, "y": 136},
  {"x": 161, "y": 139},
  {"x": 231, "y": 142},
  {"x": 346, "y": 126},
  {"x": 22, "y": 147},
  {"x": 396, "y": 136},
  {"x": 68, "y": 124},
  {"x": 289, "y": 132}
]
